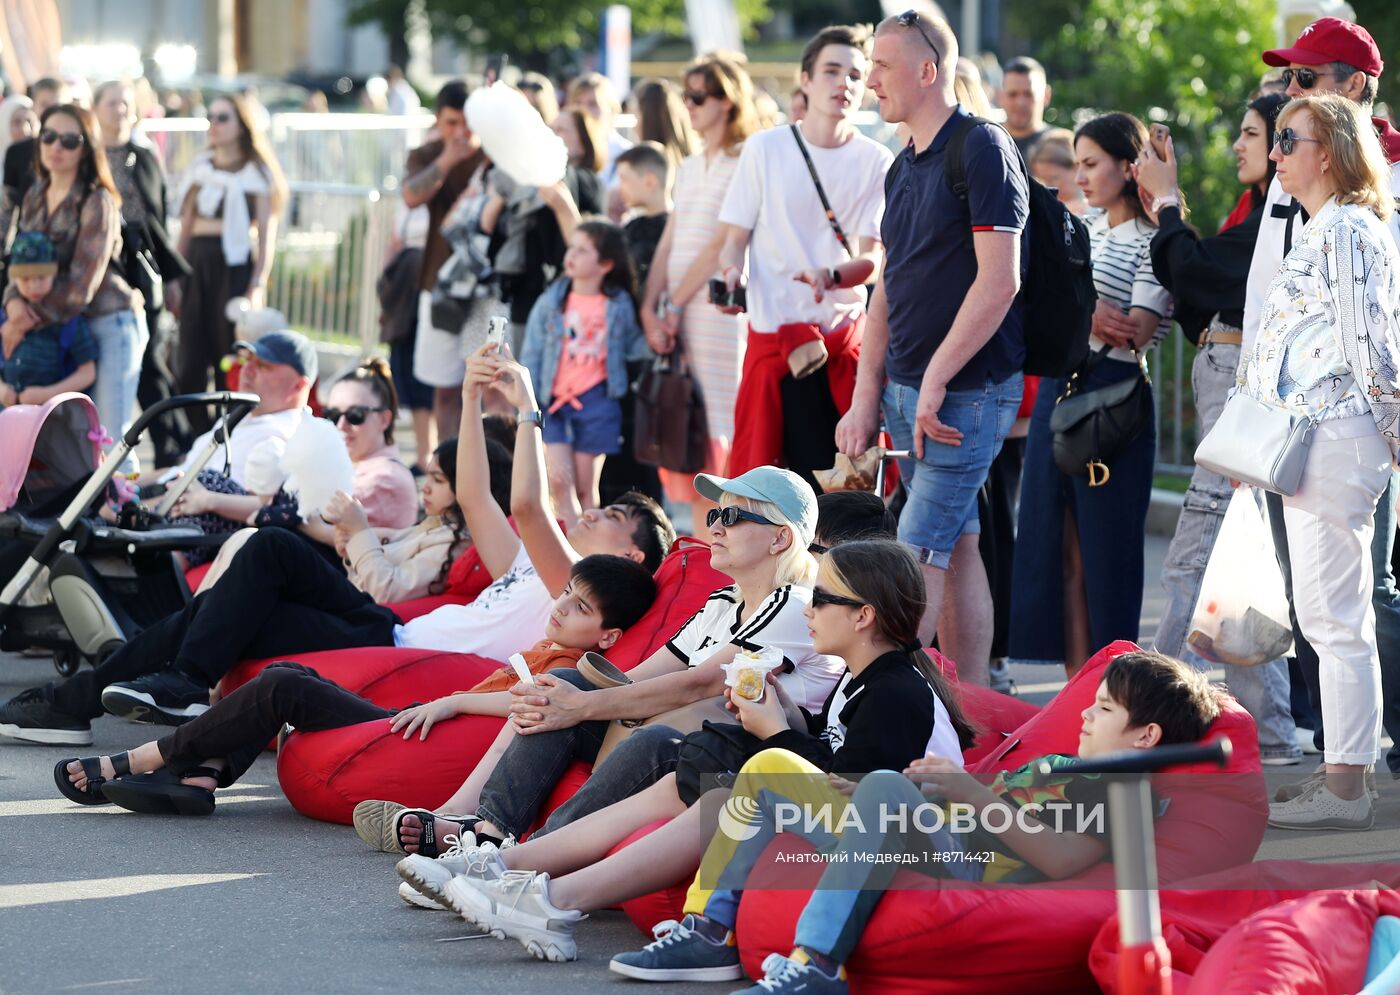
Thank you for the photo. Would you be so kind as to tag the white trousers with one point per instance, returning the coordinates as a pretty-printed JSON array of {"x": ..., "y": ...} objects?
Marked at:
[{"x": 1329, "y": 524}]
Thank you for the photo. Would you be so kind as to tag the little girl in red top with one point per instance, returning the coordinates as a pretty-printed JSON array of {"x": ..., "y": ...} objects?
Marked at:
[{"x": 580, "y": 335}]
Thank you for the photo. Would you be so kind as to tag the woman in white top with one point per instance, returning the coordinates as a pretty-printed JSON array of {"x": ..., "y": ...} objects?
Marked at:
[
  {"x": 229, "y": 200},
  {"x": 1078, "y": 566},
  {"x": 1328, "y": 345},
  {"x": 719, "y": 97}
]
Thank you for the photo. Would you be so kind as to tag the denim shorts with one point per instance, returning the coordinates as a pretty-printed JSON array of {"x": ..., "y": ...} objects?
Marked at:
[
  {"x": 595, "y": 428},
  {"x": 943, "y": 486}
]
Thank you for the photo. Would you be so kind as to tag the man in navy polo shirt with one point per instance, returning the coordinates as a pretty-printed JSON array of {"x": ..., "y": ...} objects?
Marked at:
[{"x": 944, "y": 326}]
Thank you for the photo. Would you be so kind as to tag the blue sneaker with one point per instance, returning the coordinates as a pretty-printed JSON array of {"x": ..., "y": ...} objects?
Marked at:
[
  {"x": 680, "y": 953},
  {"x": 794, "y": 974}
]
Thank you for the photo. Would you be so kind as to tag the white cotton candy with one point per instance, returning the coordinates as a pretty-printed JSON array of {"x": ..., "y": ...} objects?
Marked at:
[
  {"x": 262, "y": 470},
  {"x": 515, "y": 137},
  {"x": 316, "y": 465}
]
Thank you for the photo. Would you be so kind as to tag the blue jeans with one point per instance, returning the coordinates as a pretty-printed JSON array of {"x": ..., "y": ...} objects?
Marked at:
[
  {"x": 1262, "y": 690},
  {"x": 1111, "y": 521},
  {"x": 527, "y": 772},
  {"x": 121, "y": 342},
  {"x": 943, "y": 486}
]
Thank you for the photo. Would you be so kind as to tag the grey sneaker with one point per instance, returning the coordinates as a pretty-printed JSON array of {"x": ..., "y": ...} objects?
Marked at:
[
  {"x": 517, "y": 905},
  {"x": 787, "y": 975},
  {"x": 1290, "y": 791},
  {"x": 999, "y": 676},
  {"x": 680, "y": 953},
  {"x": 429, "y": 876},
  {"x": 1319, "y": 808}
]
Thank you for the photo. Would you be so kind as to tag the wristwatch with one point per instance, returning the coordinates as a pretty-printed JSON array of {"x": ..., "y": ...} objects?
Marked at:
[
  {"x": 1169, "y": 200},
  {"x": 535, "y": 418}
]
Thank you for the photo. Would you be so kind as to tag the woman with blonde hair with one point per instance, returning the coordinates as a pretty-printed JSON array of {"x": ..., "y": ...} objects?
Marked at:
[
  {"x": 230, "y": 199},
  {"x": 662, "y": 118},
  {"x": 1327, "y": 350},
  {"x": 675, "y": 308}
]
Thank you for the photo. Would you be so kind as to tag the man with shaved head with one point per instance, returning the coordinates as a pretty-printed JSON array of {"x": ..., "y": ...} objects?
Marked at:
[{"x": 950, "y": 356}]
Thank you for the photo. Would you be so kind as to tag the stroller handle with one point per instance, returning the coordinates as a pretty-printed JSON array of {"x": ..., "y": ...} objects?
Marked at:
[
  {"x": 240, "y": 404},
  {"x": 1216, "y": 752}
]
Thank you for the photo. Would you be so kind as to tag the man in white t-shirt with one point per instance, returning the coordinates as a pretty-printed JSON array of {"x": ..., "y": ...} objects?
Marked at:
[{"x": 813, "y": 243}]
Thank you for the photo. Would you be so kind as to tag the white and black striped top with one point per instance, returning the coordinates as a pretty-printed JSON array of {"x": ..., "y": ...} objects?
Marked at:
[
  {"x": 1123, "y": 274},
  {"x": 778, "y": 622}
]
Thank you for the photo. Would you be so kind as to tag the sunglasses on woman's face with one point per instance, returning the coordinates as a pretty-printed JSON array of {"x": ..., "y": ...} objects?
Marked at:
[
  {"x": 1287, "y": 140},
  {"x": 70, "y": 140},
  {"x": 820, "y": 597},
  {"x": 732, "y": 516},
  {"x": 1307, "y": 78},
  {"x": 355, "y": 414},
  {"x": 223, "y": 117},
  {"x": 696, "y": 98}
]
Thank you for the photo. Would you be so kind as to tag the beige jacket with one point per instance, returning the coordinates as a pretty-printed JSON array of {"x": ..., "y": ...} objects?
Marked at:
[{"x": 398, "y": 564}]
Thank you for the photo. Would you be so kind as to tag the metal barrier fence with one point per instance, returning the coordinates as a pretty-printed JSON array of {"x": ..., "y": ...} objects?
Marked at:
[{"x": 343, "y": 171}]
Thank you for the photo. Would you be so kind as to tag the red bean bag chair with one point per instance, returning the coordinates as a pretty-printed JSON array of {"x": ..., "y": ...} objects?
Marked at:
[
  {"x": 325, "y": 774},
  {"x": 1275, "y": 926},
  {"x": 940, "y": 936}
]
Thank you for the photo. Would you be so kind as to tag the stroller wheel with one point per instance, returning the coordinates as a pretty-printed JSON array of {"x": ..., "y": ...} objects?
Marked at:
[{"x": 67, "y": 662}]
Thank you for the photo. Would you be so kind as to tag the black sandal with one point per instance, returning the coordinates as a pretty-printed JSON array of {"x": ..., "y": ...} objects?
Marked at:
[
  {"x": 161, "y": 793},
  {"x": 92, "y": 793},
  {"x": 428, "y": 843}
]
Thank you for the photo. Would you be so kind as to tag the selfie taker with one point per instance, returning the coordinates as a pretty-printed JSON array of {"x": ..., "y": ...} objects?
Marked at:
[{"x": 806, "y": 201}]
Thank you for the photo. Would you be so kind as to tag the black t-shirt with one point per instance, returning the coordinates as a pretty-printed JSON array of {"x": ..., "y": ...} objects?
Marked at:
[
  {"x": 643, "y": 236},
  {"x": 1027, "y": 142}
]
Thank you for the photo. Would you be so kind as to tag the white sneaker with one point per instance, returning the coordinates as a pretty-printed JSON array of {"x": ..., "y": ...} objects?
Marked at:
[
  {"x": 517, "y": 905},
  {"x": 1319, "y": 808},
  {"x": 1288, "y": 792},
  {"x": 416, "y": 900},
  {"x": 429, "y": 875},
  {"x": 1305, "y": 741}
]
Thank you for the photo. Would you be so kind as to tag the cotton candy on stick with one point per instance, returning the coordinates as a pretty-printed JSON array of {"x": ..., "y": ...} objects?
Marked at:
[{"x": 515, "y": 137}]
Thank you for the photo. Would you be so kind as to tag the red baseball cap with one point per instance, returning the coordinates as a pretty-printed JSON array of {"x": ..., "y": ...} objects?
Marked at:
[{"x": 1331, "y": 39}]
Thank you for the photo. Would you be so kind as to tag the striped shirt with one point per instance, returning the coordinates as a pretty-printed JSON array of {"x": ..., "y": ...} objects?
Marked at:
[
  {"x": 777, "y": 622},
  {"x": 714, "y": 341},
  {"x": 1123, "y": 275}
]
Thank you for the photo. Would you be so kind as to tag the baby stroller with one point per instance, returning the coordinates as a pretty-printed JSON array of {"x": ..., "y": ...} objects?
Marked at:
[{"x": 74, "y": 584}]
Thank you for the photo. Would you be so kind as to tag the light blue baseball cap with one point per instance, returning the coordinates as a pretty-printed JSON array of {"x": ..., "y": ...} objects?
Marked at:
[{"x": 784, "y": 489}]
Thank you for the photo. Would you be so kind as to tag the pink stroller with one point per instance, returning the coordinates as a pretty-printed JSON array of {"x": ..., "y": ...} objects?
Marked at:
[{"x": 75, "y": 584}]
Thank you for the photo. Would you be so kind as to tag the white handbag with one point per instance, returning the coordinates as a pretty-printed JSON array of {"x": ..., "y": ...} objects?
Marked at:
[{"x": 1264, "y": 445}]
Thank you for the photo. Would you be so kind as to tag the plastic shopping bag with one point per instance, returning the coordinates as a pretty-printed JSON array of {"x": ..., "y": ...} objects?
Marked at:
[{"x": 1241, "y": 616}]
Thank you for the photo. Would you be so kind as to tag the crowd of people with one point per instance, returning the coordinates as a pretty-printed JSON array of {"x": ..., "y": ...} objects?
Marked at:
[{"x": 829, "y": 300}]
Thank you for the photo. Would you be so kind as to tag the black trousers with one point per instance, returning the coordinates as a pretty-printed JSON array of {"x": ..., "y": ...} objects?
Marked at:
[
  {"x": 279, "y": 596},
  {"x": 238, "y": 727},
  {"x": 170, "y": 434},
  {"x": 996, "y": 512}
]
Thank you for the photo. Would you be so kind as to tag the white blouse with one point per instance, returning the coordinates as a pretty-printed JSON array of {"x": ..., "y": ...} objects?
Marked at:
[{"x": 1332, "y": 312}]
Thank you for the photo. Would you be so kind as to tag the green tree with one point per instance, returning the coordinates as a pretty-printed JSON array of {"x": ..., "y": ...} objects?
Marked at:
[
  {"x": 1190, "y": 64},
  {"x": 1382, "y": 19},
  {"x": 536, "y": 31}
]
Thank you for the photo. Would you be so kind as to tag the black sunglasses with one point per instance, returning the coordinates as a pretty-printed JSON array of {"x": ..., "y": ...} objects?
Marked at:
[
  {"x": 820, "y": 597},
  {"x": 817, "y": 549},
  {"x": 732, "y": 516},
  {"x": 1307, "y": 78},
  {"x": 223, "y": 117},
  {"x": 355, "y": 414},
  {"x": 69, "y": 140},
  {"x": 696, "y": 98},
  {"x": 910, "y": 19},
  {"x": 1287, "y": 140}
]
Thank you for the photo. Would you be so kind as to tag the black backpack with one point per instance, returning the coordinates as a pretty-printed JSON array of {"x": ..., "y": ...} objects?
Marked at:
[{"x": 1057, "y": 292}]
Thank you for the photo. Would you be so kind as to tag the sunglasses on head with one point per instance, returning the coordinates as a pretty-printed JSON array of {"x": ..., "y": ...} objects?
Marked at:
[
  {"x": 355, "y": 414},
  {"x": 1287, "y": 140},
  {"x": 820, "y": 597},
  {"x": 69, "y": 140},
  {"x": 695, "y": 98},
  {"x": 1307, "y": 78},
  {"x": 223, "y": 117},
  {"x": 732, "y": 516},
  {"x": 910, "y": 19}
]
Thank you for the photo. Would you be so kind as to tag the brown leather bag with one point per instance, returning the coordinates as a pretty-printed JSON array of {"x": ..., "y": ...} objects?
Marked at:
[{"x": 670, "y": 429}]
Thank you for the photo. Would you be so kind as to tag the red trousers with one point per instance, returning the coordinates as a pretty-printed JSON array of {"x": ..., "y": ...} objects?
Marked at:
[{"x": 758, "y": 406}]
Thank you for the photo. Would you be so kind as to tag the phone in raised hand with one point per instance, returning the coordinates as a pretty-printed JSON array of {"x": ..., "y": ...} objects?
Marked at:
[
  {"x": 522, "y": 670},
  {"x": 1158, "y": 135},
  {"x": 496, "y": 331}
]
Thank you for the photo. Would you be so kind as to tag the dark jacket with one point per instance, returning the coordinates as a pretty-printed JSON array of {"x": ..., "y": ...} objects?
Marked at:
[
  {"x": 1206, "y": 276},
  {"x": 150, "y": 180}
]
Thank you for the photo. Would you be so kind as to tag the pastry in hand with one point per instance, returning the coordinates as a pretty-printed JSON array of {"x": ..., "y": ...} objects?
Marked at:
[{"x": 750, "y": 684}]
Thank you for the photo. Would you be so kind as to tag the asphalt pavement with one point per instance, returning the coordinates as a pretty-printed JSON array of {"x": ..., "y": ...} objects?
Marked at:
[{"x": 257, "y": 898}]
